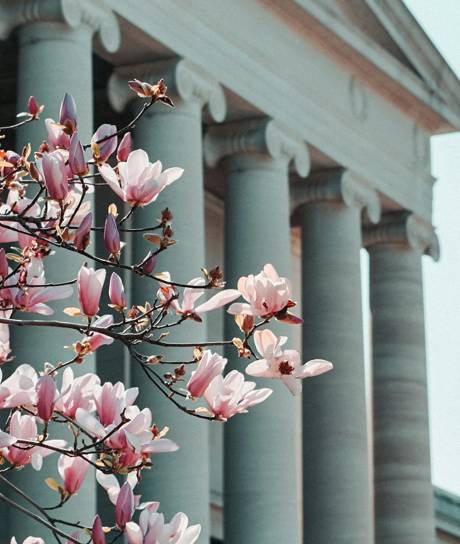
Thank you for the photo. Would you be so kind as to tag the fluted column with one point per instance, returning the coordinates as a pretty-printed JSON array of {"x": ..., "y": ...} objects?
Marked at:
[
  {"x": 260, "y": 472},
  {"x": 180, "y": 480},
  {"x": 403, "y": 490},
  {"x": 54, "y": 57},
  {"x": 337, "y": 502}
]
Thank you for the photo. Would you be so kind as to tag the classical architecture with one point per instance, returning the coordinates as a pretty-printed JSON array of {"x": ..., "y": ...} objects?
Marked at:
[{"x": 304, "y": 129}]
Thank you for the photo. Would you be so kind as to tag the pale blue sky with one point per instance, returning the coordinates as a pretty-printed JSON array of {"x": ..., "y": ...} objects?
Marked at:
[{"x": 441, "y": 20}]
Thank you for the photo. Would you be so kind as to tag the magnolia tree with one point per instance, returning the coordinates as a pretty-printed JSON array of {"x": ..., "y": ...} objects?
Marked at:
[{"x": 46, "y": 209}]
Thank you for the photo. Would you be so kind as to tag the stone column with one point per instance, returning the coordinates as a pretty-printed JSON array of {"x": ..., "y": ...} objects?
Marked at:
[
  {"x": 336, "y": 482},
  {"x": 403, "y": 490},
  {"x": 55, "y": 56},
  {"x": 180, "y": 481},
  {"x": 260, "y": 472}
]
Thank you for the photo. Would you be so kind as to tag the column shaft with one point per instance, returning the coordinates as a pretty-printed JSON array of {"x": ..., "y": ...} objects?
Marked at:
[
  {"x": 337, "y": 501},
  {"x": 403, "y": 489},
  {"x": 180, "y": 481},
  {"x": 260, "y": 503},
  {"x": 53, "y": 59}
]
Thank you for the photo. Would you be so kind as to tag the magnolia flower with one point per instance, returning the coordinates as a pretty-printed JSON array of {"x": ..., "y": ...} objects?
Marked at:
[
  {"x": 192, "y": 294},
  {"x": 103, "y": 149},
  {"x": 149, "y": 263},
  {"x": 57, "y": 137},
  {"x": 34, "y": 108},
  {"x": 73, "y": 471},
  {"x": 34, "y": 299},
  {"x": 283, "y": 364},
  {"x": 4, "y": 269},
  {"x": 112, "y": 486},
  {"x": 55, "y": 175},
  {"x": 46, "y": 394},
  {"x": 266, "y": 295},
  {"x": 233, "y": 395},
  {"x": 111, "y": 400},
  {"x": 19, "y": 388},
  {"x": 77, "y": 161},
  {"x": 95, "y": 340},
  {"x": 5, "y": 349},
  {"x": 209, "y": 366},
  {"x": 74, "y": 213},
  {"x": 90, "y": 283},
  {"x": 153, "y": 529},
  {"x": 68, "y": 113},
  {"x": 139, "y": 182},
  {"x": 6, "y": 440},
  {"x": 124, "y": 148},
  {"x": 24, "y": 427},
  {"x": 82, "y": 234},
  {"x": 124, "y": 507},
  {"x": 111, "y": 236},
  {"x": 76, "y": 393},
  {"x": 116, "y": 292},
  {"x": 97, "y": 531}
]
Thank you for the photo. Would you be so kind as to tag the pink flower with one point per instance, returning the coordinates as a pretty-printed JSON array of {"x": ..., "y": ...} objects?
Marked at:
[
  {"x": 46, "y": 393},
  {"x": 139, "y": 182},
  {"x": 209, "y": 366},
  {"x": 111, "y": 236},
  {"x": 6, "y": 440},
  {"x": 233, "y": 395},
  {"x": 103, "y": 150},
  {"x": 153, "y": 529},
  {"x": 24, "y": 427},
  {"x": 77, "y": 162},
  {"x": 19, "y": 388},
  {"x": 124, "y": 149},
  {"x": 116, "y": 292},
  {"x": 55, "y": 175},
  {"x": 33, "y": 107},
  {"x": 149, "y": 263},
  {"x": 111, "y": 400},
  {"x": 5, "y": 349},
  {"x": 73, "y": 471},
  {"x": 34, "y": 299},
  {"x": 283, "y": 364},
  {"x": 97, "y": 532},
  {"x": 83, "y": 233},
  {"x": 57, "y": 138},
  {"x": 29, "y": 540},
  {"x": 68, "y": 113},
  {"x": 95, "y": 340},
  {"x": 4, "y": 269},
  {"x": 266, "y": 294},
  {"x": 124, "y": 509},
  {"x": 76, "y": 393},
  {"x": 90, "y": 283},
  {"x": 192, "y": 294},
  {"x": 110, "y": 483}
]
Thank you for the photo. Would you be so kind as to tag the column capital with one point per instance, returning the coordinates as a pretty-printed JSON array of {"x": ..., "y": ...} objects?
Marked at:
[
  {"x": 403, "y": 229},
  {"x": 260, "y": 136},
  {"x": 184, "y": 79},
  {"x": 338, "y": 185},
  {"x": 95, "y": 14}
]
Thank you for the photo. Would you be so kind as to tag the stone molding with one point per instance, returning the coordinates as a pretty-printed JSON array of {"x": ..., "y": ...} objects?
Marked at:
[
  {"x": 184, "y": 79},
  {"x": 404, "y": 229},
  {"x": 261, "y": 136},
  {"x": 341, "y": 186},
  {"x": 72, "y": 13}
]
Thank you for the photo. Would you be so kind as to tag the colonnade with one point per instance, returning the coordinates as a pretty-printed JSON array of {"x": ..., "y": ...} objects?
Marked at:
[{"x": 339, "y": 213}]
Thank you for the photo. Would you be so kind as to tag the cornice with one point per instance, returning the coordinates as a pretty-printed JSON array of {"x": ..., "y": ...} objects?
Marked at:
[
  {"x": 184, "y": 79},
  {"x": 260, "y": 136},
  {"x": 337, "y": 185},
  {"x": 71, "y": 13},
  {"x": 406, "y": 230}
]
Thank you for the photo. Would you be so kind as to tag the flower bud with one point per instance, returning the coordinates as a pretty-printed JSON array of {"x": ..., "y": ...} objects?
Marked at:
[
  {"x": 82, "y": 234},
  {"x": 77, "y": 162},
  {"x": 124, "y": 149},
  {"x": 33, "y": 107},
  {"x": 124, "y": 507},
  {"x": 3, "y": 264},
  {"x": 46, "y": 392},
  {"x": 116, "y": 291},
  {"x": 97, "y": 532},
  {"x": 55, "y": 175},
  {"x": 111, "y": 235},
  {"x": 68, "y": 113},
  {"x": 149, "y": 263}
]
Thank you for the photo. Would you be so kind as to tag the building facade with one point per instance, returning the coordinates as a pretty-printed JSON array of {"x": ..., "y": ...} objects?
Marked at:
[{"x": 304, "y": 128}]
